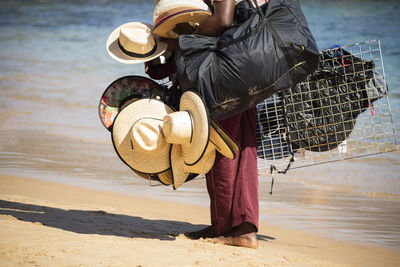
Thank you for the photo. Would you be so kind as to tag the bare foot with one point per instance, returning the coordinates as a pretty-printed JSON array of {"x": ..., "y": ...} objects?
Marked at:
[
  {"x": 243, "y": 236},
  {"x": 207, "y": 232}
]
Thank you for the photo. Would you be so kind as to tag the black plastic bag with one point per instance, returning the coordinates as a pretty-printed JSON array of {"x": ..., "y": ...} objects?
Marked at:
[
  {"x": 322, "y": 112},
  {"x": 267, "y": 49}
]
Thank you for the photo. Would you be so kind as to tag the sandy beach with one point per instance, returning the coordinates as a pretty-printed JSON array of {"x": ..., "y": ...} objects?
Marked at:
[
  {"x": 45, "y": 223},
  {"x": 66, "y": 199}
]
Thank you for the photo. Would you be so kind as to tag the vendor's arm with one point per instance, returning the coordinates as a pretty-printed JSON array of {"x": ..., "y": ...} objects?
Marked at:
[{"x": 220, "y": 20}]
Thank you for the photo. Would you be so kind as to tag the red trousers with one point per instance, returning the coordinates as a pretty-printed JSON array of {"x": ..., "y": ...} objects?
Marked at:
[{"x": 233, "y": 184}]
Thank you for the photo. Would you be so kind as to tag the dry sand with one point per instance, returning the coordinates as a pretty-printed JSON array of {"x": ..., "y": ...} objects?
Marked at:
[{"x": 50, "y": 224}]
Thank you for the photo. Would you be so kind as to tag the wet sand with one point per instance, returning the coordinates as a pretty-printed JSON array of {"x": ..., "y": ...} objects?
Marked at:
[
  {"x": 44, "y": 223},
  {"x": 325, "y": 200}
]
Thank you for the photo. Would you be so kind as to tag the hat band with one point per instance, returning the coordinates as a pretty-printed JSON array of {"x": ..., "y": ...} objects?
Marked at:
[{"x": 136, "y": 55}]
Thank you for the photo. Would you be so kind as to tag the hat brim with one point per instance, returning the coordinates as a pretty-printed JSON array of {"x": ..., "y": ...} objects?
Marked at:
[
  {"x": 116, "y": 53},
  {"x": 181, "y": 172},
  {"x": 164, "y": 27},
  {"x": 179, "y": 175},
  {"x": 191, "y": 102},
  {"x": 145, "y": 176},
  {"x": 163, "y": 177},
  {"x": 134, "y": 158},
  {"x": 222, "y": 141},
  {"x": 123, "y": 91}
]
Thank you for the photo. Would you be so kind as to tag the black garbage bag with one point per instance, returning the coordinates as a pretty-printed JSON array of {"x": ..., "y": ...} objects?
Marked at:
[
  {"x": 267, "y": 49},
  {"x": 322, "y": 112}
]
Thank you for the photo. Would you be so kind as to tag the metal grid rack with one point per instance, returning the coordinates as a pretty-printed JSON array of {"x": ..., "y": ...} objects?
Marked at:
[{"x": 341, "y": 111}]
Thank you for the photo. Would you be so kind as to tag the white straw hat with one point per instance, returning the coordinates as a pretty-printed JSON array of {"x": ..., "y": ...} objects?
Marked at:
[
  {"x": 188, "y": 127},
  {"x": 134, "y": 42},
  {"x": 187, "y": 130},
  {"x": 169, "y": 13},
  {"x": 137, "y": 136}
]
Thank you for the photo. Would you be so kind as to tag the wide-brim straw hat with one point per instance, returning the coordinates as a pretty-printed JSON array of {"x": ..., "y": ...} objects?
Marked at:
[
  {"x": 134, "y": 42},
  {"x": 219, "y": 141},
  {"x": 137, "y": 136},
  {"x": 189, "y": 127},
  {"x": 169, "y": 13}
]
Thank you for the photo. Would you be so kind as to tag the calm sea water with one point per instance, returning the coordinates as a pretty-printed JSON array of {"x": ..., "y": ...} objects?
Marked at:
[{"x": 54, "y": 68}]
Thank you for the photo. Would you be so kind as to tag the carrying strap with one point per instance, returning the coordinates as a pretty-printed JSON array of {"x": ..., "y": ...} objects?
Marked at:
[
  {"x": 253, "y": 31},
  {"x": 272, "y": 30},
  {"x": 262, "y": 15}
]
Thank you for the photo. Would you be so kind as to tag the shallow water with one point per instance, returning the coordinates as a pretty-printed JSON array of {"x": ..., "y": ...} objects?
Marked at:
[{"x": 54, "y": 68}]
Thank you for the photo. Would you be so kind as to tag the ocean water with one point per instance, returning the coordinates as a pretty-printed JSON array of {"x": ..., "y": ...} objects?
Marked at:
[{"x": 54, "y": 68}]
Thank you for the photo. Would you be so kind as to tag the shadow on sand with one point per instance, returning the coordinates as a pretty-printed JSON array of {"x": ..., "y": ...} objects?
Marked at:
[{"x": 99, "y": 222}]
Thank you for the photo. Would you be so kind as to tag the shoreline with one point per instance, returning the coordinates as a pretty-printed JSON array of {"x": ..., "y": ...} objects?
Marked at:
[{"x": 46, "y": 222}]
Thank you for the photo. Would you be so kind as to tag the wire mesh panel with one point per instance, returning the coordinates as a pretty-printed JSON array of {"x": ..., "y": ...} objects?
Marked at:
[{"x": 341, "y": 111}]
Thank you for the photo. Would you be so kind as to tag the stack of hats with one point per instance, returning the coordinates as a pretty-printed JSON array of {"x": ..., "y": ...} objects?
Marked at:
[
  {"x": 152, "y": 138},
  {"x": 148, "y": 135}
]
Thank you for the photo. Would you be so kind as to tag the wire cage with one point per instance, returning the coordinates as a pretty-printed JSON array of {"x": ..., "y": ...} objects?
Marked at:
[{"x": 340, "y": 112}]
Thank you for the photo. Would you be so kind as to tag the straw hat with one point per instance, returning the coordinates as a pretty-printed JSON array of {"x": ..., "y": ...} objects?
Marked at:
[
  {"x": 165, "y": 177},
  {"x": 169, "y": 13},
  {"x": 219, "y": 141},
  {"x": 137, "y": 136},
  {"x": 188, "y": 127},
  {"x": 181, "y": 171},
  {"x": 184, "y": 130},
  {"x": 134, "y": 42}
]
